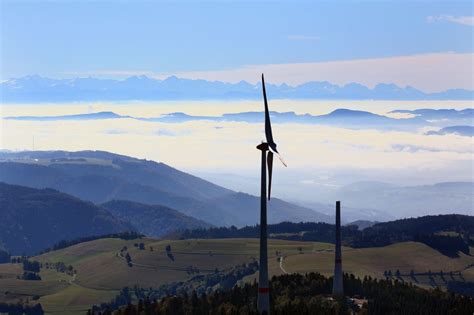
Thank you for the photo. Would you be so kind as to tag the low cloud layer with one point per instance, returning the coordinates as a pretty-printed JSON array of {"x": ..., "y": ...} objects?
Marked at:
[
  {"x": 229, "y": 147},
  {"x": 463, "y": 20}
]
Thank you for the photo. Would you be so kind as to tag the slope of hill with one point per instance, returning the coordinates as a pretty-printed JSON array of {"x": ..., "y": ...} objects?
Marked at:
[
  {"x": 102, "y": 271},
  {"x": 100, "y": 176},
  {"x": 32, "y": 219},
  {"x": 40, "y": 89},
  {"x": 152, "y": 220}
]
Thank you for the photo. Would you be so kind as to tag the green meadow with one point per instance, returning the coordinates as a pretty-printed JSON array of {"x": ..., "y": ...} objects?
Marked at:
[{"x": 101, "y": 268}]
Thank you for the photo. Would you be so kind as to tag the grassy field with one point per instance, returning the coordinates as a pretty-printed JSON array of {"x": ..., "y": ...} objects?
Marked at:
[{"x": 102, "y": 270}]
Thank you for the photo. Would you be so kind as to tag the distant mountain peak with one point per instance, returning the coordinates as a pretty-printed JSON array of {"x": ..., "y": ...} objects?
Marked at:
[
  {"x": 138, "y": 78},
  {"x": 172, "y": 78},
  {"x": 40, "y": 89},
  {"x": 349, "y": 112}
]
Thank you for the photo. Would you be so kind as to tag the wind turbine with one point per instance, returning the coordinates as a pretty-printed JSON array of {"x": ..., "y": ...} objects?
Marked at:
[{"x": 268, "y": 149}]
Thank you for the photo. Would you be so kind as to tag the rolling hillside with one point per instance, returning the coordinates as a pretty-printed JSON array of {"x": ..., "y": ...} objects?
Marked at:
[
  {"x": 100, "y": 176},
  {"x": 102, "y": 271},
  {"x": 449, "y": 234},
  {"x": 32, "y": 219}
]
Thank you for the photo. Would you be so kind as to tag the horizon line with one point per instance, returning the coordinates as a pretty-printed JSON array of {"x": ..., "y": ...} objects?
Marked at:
[{"x": 176, "y": 76}]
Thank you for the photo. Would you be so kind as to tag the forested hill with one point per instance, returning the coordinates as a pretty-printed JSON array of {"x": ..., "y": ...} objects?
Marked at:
[
  {"x": 152, "y": 220},
  {"x": 100, "y": 176},
  {"x": 305, "y": 294},
  {"x": 446, "y": 233},
  {"x": 34, "y": 219},
  {"x": 407, "y": 229}
]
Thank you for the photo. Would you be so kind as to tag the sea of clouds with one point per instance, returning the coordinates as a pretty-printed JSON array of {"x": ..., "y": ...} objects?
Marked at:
[{"x": 319, "y": 157}]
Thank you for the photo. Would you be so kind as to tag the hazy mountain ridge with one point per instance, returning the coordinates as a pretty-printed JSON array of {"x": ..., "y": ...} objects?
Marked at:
[
  {"x": 40, "y": 89},
  {"x": 340, "y": 117},
  {"x": 460, "y": 122},
  {"x": 34, "y": 219},
  {"x": 105, "y": 176},
  {"x": 349, "y": 213},
  {"x": 88, "y": 116},
  {"x": 466, "y": 131},
  {"x": 431, "y": 114},
  {"x": 247, "y": 205},
  {"x": 381, "y": 201},
  {"x": 407, "y": 201}
]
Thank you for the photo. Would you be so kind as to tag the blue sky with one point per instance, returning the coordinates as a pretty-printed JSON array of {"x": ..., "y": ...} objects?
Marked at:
[{"x": 68, "y": 38}]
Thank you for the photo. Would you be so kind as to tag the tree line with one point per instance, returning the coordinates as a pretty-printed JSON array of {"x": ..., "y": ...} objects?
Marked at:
[
  {"x": 427, "y": 230},
  {"x": 130, "y": 235},
  {"x": 200, "y": 284},
  {"x": 32, "y": 268},
  {"x": 308, "y": 294},
  {"x": 4, "y": 256},
  {"x": 21, "y": 309}
]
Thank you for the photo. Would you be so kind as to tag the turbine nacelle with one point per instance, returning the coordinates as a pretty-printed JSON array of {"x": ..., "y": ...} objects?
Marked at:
[{"x": 263, "y": 146}]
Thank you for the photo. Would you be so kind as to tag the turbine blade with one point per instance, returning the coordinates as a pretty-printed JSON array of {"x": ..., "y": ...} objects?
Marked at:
[
  {"x": 270, "y": 169},
  {"x": 279, "y": 156},
  {"x": 281, "y": 160},
  {"x": 268, "y": 126}
]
